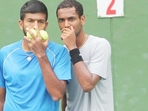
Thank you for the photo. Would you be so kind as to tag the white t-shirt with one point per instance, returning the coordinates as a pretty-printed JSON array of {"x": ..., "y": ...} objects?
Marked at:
[{"x": 96, "y": 53}]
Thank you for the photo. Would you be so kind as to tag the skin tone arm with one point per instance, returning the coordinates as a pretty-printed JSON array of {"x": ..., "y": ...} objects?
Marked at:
[
  {"x": 55, "y": 87},
  {"x": 64, "y": 103},
  {"x": 2, "y": 98},
  {"x": 86, "y": 79}
]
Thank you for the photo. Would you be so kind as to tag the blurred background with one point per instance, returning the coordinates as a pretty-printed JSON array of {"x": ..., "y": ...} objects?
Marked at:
[{"x": 127, "y": 36}]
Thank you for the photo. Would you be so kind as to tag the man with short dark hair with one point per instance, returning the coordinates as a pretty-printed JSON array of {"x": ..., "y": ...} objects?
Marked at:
[
  {"x": 33, "y": 72},
  {"x": 90, "y": 88}
]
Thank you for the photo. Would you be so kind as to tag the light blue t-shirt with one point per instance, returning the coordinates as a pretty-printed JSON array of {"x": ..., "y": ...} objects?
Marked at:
[{"x": 23, "y": 80}]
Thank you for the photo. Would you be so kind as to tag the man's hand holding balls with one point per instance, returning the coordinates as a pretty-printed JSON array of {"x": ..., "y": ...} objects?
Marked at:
[{"x": 43, "y": 34}]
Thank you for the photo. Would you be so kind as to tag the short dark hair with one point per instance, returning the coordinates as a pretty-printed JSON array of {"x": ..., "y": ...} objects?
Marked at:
[
  {"x": 69, "y": 4},
  {"x": 33, "y": 6}
]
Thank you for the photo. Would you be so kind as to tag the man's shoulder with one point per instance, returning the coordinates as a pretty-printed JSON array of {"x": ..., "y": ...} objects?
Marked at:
[
  {"x": 98, "y": 40},
  {"x": 55, "y": 47},
  {"x": 8, "y": 49},
  {"x": 10, "y": 46},
  {"x": 93, "y": 37}
]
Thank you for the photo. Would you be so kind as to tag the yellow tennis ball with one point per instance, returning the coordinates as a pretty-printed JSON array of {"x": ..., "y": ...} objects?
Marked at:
[
  {"x": 33, "y": 31},
  {"x": 44, "y": 35}
]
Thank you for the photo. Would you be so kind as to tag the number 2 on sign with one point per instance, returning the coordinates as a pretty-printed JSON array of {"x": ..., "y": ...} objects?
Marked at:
[{"x": 109, "y": 10}]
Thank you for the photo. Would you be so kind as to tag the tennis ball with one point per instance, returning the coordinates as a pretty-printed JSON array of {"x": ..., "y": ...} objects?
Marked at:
[
  {"x": 33, "y": 31},
  {"x": 44, "y": 35}
]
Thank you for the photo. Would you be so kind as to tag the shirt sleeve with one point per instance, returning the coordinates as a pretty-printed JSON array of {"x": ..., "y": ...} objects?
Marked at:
[
  {"x": 2, "y": 83},
  {"x": 100, "y": 61},
  {"x": 62, "y": 67}
]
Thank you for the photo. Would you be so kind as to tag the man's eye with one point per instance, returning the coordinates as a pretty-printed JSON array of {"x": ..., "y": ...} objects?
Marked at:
[
  {"x": 40, "y": 21},
  {"x": 71, "y": 19},
  {"x": 60, "y": 20},
  {"x": 30, "y": 20}
]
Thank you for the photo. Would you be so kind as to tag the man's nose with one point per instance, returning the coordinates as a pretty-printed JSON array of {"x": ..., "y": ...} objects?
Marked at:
[
  {"x": 67, "y": 24},
  {"x": 35, "y": 25}
]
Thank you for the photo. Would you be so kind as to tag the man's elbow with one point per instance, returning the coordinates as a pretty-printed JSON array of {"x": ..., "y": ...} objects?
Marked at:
[
  {"x": 57, "y": 97},
  {"x": 87, "y": 88}
]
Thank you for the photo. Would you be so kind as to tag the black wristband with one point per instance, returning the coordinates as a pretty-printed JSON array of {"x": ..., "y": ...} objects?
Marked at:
[
  {"x": 74, "y": 52},
  {"x": 76, "y": 59},
  {"x": 75, "y": 56}
]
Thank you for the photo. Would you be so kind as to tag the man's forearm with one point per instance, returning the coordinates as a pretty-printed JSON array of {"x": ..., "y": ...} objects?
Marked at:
[
  {"x": 64, "y": 103},
  {"x": 2, "y": 98},
  {"x": 1, "y": 106},
  {"x": 55, "y": 87}
]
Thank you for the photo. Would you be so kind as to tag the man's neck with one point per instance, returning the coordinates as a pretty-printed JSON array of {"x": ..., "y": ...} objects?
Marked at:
[
  {"x": 25, "y": 46},
  {"x": 81, "y": 39}
]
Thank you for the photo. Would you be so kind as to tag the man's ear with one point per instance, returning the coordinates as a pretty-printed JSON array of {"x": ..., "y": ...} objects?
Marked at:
[
  {"x": 82, "y": 19},
  {"x": 20, "y": 23},
  {"x": 46, "y": 25}
]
